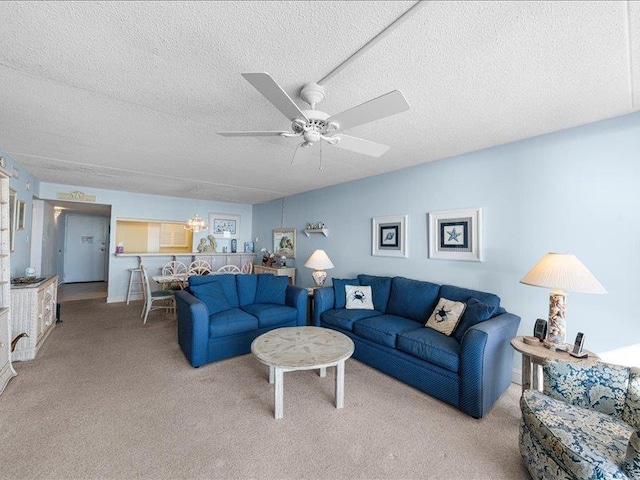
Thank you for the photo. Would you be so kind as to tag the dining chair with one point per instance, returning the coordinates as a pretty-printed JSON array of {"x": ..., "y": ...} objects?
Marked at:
[
  {"x": 174, "y": 268},
  {"x": 228, "y": 269},
  {"x": 199, "y": 267},
  {"x": 246, "y": 268},
  {"x": 166, "y": 297}
]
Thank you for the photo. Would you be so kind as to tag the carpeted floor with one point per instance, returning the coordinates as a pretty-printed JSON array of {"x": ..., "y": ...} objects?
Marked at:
[{"x": 111, "y": 398}]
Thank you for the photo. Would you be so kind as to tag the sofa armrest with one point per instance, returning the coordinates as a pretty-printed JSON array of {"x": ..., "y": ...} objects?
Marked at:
[
  {"x": 193, "y": 327},
  {"x": 600, "y": 386},
  {"x": 323, "y": 300},
  {"x": 486, "y": 363},
  {"x": 297, "y": 298}
]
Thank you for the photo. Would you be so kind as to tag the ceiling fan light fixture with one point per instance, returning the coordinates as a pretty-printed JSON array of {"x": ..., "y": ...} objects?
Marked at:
[{"x": 312, "y": 93}]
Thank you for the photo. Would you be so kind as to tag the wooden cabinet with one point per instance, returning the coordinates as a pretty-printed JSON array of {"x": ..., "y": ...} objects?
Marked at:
[
  {"x": 6, "y": 370},
  {"x": 280, "y": 271},
  {"x": 33, "y": 310}
]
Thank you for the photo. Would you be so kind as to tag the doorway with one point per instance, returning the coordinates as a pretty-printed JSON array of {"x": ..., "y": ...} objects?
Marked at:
[{"x": 85, "y": 248}]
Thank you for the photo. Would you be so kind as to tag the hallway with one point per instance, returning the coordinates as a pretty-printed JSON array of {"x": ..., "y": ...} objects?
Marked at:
[{"x": 70, "y": 292}]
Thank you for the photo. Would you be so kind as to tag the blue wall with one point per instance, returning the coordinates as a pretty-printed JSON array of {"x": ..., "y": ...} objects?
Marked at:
[
  {"x": 20, "y": 256},
  {"x": 149, "y": 207},
  {"x": 574, "y": 191}
]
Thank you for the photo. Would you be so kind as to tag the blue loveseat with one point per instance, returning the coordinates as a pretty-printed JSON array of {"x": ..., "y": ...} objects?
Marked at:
[
  {"x": 469, "y": 369},
  {"x": 220, "y": 315}
]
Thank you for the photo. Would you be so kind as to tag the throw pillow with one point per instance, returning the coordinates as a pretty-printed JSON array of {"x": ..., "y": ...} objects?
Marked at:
[
  {"x": 446, "y": 316},
  {"x": 212, "y": 295},
  {"x": 271, "y": 289},
  {"x": 475, "y": 312},
  {"x": 339, "y": 292},
  {"x": 358, "y": 297}
]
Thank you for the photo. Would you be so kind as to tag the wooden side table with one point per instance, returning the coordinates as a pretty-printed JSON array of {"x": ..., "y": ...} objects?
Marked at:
[
  {"x": 278, "y": 271},
  {"x": 533, "y": 356}
]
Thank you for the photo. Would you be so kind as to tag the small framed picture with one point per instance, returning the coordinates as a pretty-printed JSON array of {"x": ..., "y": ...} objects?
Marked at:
[
  {"x": 389, "y": 236},
  {"x": 21, "y": 214},
  {"x": 456, "y": 235},
  {"x": 284, "y": 242},
  {"x": 224, "y": 225}
]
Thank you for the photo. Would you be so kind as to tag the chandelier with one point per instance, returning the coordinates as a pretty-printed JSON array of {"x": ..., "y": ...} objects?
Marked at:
[{"x": 195, "y": 223}]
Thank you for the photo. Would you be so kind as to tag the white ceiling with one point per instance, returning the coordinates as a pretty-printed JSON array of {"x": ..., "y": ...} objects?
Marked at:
[{"x": 129, "y": 95}]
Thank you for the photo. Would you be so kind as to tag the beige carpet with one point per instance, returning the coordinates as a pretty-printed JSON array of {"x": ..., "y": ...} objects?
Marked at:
[{"x": 111, "y": 398}]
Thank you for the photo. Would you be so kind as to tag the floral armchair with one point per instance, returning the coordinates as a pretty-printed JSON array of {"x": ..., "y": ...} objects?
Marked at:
[{"x": 586, "y": 424}]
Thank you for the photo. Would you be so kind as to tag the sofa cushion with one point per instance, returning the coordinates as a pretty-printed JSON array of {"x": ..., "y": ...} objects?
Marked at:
[
  {"x": 271, "y": 289},
  {"x": 271, "y": 315},
  {"x": 212, "y": 295},
  {"x": 227, "y": 281},
  {"x": 358, "y": 297},
  {"x": 432, "y": 346},
  {"x": 231, "y": 322},
  {"x": 383, "y": 329},
  {"x": 343, "y": 318},
  {"x": 475, "y": 312},
  {"x": 380, "y": 290},
  {"x": 459, "y": 294},
  {"x": 412, "y": 298},
  {"x": 339, "y": 290},
  {"x": 247, "y": 285},
  {"x": 583, "y": 441},
  {"x": 446, "y": 316}
]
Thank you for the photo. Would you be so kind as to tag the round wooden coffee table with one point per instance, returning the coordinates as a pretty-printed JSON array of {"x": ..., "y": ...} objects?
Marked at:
[{"x": 302, "y": 348}]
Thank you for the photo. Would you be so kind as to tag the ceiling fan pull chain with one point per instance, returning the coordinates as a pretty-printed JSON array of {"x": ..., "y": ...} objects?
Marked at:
[
  {"x": 320, "y": 166},
  {"x": 294, "y": 152}
]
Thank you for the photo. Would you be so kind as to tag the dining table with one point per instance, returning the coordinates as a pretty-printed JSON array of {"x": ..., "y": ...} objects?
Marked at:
[{"x": 181, "y": 279}]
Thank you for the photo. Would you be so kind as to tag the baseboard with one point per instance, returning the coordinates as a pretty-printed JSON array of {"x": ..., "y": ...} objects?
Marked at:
[{"x": 516, "y": 376}]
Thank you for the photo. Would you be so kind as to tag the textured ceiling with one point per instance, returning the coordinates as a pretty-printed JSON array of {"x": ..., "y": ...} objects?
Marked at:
[{"x": 128, "y": 95}]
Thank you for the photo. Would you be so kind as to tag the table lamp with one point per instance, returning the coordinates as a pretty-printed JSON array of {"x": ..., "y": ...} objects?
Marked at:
[
  {"x": 320, "y": 262},
  {"x": 561, "y": 272}
]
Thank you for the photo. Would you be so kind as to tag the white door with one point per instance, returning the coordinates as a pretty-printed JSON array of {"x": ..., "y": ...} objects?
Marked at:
[{"x": 85, "y": 242}]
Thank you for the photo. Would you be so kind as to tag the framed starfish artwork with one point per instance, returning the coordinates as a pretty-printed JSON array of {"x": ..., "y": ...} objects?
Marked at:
[
  {"x": 389, "y": 236},
  {"x": 456, "y": 235}
]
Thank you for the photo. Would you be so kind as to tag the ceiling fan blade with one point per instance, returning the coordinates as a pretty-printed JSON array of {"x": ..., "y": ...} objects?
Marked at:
[
  {"x": 268, "y": 87},
  {"x": 383, "y": 106},
  {"x": 360, "y": 145},
  {"x": 252, "y": 134}
]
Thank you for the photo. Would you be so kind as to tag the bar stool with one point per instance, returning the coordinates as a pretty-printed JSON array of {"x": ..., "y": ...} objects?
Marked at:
[{"x": 135, "y": 280}]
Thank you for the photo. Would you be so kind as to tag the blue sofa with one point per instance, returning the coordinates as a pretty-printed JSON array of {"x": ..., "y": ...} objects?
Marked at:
[
  {"x": 470, "y": 369},
  {"x": 220, "y": 315}
]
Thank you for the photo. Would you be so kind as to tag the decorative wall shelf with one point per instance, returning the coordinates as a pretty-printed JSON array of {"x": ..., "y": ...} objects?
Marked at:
[{"x": 324, "y": 231}]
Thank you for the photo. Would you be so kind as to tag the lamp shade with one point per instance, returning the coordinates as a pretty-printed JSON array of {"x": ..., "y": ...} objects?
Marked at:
[
  {"x": 319, "y": 260},
  {"x": 563, "y": 271}
]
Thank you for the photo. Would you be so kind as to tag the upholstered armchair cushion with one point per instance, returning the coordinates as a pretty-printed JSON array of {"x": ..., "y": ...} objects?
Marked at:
[
  {"x": 584, "y": 425},
  {"x": 582, "y": 441},
  {"x": 602, "y": 386}
]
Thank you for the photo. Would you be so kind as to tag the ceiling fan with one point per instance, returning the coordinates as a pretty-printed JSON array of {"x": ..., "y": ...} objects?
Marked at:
[{"x": 315, "y": 126}]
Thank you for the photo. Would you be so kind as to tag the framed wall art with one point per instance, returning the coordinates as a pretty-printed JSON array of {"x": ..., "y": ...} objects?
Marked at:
[
  {"x": 284, "y": 242},
  {"x": 21, "y": 215},
  {"x": 13, "y": 210},
  {"x": 224, "y": 225},
  {"x": 456, "y": 235},
  {"x": 389, "y": 236}
]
